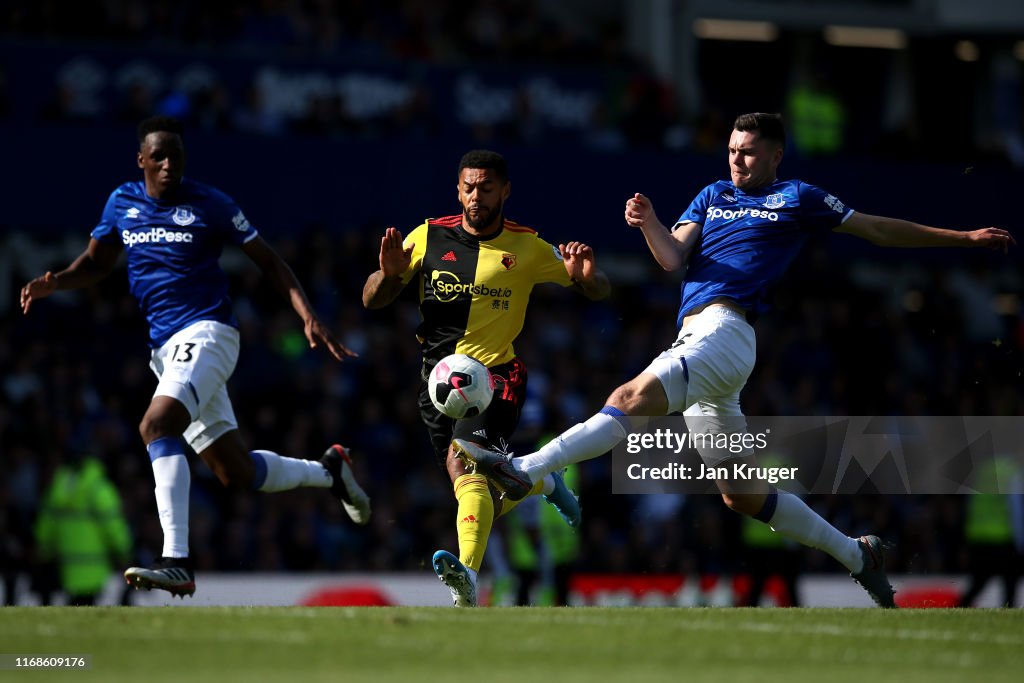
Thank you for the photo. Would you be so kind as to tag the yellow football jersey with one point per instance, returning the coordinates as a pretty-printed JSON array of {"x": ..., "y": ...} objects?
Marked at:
[{"x": 474, "y": 291}]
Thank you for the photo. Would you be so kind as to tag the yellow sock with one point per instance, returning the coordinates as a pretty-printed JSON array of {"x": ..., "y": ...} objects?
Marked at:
[
  {"x": 509, "y": 505},
  {"x": 476, "y": 513}
]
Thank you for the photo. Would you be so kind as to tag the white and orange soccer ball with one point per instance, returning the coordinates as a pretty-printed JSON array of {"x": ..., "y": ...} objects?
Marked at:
[{"x": 460, "y": 386}]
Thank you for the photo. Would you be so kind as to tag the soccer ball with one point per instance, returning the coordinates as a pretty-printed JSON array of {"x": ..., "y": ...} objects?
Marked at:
[{"x": 460, "y": 386}]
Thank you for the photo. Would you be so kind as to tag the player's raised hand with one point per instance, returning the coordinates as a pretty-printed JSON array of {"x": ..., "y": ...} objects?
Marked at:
[
  {"x": 317, "y": 333},
  {"x": 638, "y": 210},
  {"x": 39, "y": 288},
  {"x": 394, "y": 260},
  {"x": 992, "y": 238},
  {"x": 579, "y": 260}
]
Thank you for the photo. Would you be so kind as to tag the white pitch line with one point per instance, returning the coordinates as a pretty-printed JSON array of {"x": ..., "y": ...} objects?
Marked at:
[
  {"x": 581, "y": 616},
  {"x": 836, "y": 630}
]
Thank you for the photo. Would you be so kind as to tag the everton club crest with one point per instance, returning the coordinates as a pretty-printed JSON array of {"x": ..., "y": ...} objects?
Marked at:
[
  {"x": 774, "y": 201},
  {"x": 183, "y": 215}
]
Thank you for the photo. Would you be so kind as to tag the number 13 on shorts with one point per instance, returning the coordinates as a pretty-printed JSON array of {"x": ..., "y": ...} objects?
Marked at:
[{"x": 182, "y": 353}]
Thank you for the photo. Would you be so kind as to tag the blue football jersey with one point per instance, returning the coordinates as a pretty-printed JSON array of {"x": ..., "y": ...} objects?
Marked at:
[
  {"x": 173, "y": 250},
  {"x": 749, "y": 239}
]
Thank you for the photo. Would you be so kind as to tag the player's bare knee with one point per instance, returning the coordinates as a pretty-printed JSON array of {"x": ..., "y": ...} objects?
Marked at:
[
  {"x": 642, "y": 395},
  {"x": 158, "y": 424},
  {"x": 234, "y": 475},
  {"x": 238, "y": 473},
  {"x": 732, "y": 502},
  {"x": 223, "y": 476},
  {"x": 455, "y": 466},
  {"x": 237, "y": 479},
  {"x": 627, "y": 397},
  {"x": 229, "y": 460},
  {"x": 743, "y": 504},
  {"x": 164, "y": 417}
]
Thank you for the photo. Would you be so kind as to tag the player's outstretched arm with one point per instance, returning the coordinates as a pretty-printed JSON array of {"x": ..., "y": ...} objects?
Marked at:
[
  {"x": 280, "y": 273},
  {"x": 893, "y": 232},
  {"x": 384, "y": 285},
  {"x": 670, "y": 249},
  {"x": 582, "y": 268},
  {"x": 91, "y": 266}
]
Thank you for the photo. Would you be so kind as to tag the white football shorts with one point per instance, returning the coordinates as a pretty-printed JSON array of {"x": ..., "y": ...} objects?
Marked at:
[
  {"x": 703, "y": 372},
  {"x": 193, "y": 367}
]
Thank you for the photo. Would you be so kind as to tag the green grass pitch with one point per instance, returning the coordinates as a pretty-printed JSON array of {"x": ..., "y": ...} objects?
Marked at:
[{"x": 560, "y": 645}]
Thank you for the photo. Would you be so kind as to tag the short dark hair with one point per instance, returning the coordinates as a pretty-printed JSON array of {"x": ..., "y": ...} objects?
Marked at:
[
  {"x": 767, "y": 126},
  {"x": 159, "y": 124},
  {"x": 485, "y": 158}
]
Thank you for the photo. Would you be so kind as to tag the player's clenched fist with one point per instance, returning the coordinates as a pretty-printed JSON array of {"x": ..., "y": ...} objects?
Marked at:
[
  {"x": 579, "y": 261},
  {"x": 638, "y": 210}
]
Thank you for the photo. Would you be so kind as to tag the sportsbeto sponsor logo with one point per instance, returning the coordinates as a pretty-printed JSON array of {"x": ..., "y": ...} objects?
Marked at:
[
  {"x": 447, "y": 286},
  {"x": 154, "y": 236},
  {"x": 733, "y": 214}
]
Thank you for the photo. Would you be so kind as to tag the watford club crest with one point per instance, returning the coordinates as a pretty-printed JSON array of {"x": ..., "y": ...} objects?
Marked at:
[{"x": 509, "y": 261}]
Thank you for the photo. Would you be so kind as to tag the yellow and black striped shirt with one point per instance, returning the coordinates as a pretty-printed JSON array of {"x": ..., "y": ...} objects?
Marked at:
[{"x": 474, "y": 291}]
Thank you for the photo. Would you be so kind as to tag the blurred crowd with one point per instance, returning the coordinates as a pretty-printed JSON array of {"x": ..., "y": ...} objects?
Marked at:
[
  {"x": 838, "y": 101},
  {"x": 637, "y": 107},
  {"x": 928, "y": 341},
  {"x": 445, "y": 31}
]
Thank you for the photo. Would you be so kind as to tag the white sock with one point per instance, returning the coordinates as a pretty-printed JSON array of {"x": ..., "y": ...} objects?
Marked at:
[
  {"x": 283, "y": 474},
  {"x": 549, "y": 485},
  {"x": 172, "y": 488},
  {"x": 587, "y": 440},
  {"x": 794, "y": 519}
]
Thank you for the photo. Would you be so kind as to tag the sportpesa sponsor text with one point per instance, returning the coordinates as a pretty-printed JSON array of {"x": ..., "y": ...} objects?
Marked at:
[
  {"x": 445, "y": 290},
  {"x": 732, "y": 214},
  {"x": 154, "y": 235}
]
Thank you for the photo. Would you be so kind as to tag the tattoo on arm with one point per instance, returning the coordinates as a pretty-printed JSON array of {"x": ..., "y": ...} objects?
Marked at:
[{"x": 379, "y": 291}]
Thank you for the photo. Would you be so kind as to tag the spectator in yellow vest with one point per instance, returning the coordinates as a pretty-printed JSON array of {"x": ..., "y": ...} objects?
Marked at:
[
  {"x": 816, "y": 117},
  {"x": 542, "y": 546},
  {"x": 994, "y": 531},
  {"x": 81, "y": 528}
]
